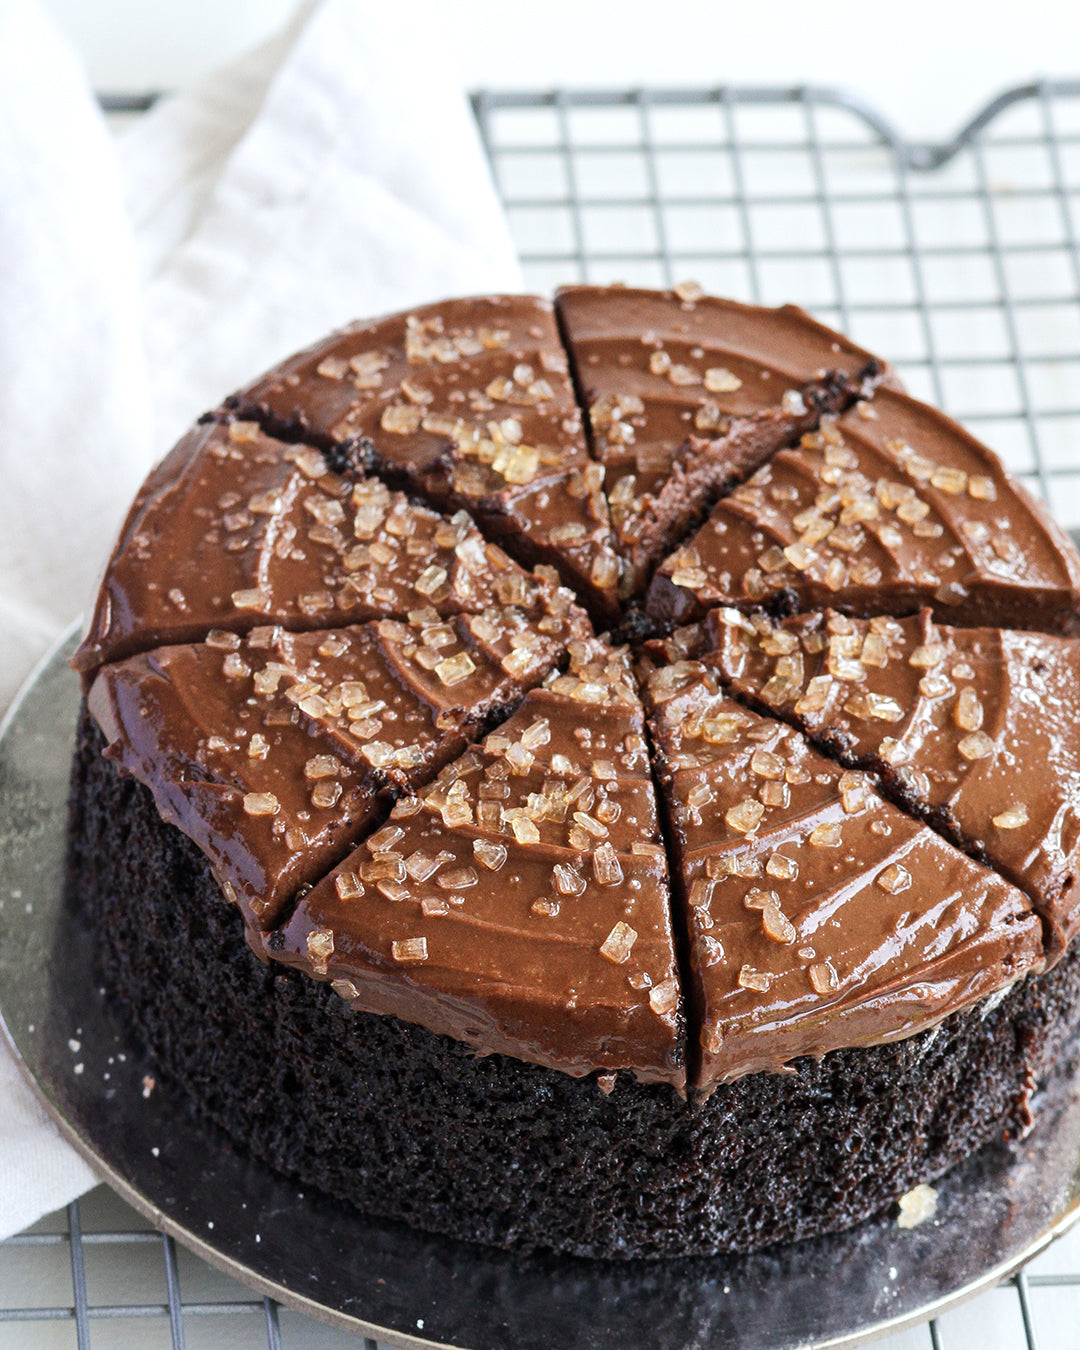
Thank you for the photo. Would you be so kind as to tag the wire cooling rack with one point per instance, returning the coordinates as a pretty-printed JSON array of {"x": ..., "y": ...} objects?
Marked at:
[{"x": 958, "y": 261}]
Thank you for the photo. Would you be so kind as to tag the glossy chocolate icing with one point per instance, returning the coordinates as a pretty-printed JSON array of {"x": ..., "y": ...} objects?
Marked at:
[
  {"x": 687, "y": 394},
  {"x": 520, "y": 903},
  {"x": 819, "y": 915},
  {"x": 235, "y": 530},
  {"x": 974, "y": 728},
  {"x": 274, "y": 751},
  {"x": 287, "y": 650},
  {"x": 891, "y": 507},
  {"x": 468, "y": 402}
]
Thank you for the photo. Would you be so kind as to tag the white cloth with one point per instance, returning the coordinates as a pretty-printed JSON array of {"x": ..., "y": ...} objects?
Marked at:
[{"x": 335, "y": 173}]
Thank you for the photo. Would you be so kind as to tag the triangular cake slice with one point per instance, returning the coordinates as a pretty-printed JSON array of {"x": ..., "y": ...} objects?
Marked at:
[
  {"x": 889, "y": 508},
  {"x": 468, "y": 402},
  {"x": 235, "y": 530},
  {"x": 687, "y": 394},
  {"x": 520, "y": 903},
  {"x": 975, "y": 729},
  {"x": 820, "y": 916},
  {"x": 272, "y": 751}
]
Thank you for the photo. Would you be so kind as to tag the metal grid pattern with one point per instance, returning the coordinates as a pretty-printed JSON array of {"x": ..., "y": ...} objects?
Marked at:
[{"x": 958, "y": 261}]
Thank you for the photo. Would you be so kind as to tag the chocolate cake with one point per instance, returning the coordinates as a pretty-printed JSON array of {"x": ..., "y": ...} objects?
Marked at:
[{"x": 600, "y": 776}]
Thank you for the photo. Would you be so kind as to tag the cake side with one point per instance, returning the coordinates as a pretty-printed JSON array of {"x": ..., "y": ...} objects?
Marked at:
[{"x": 411, "y": 1125}]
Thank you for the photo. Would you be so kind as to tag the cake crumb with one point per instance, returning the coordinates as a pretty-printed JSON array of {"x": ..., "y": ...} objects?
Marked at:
[{"x": 917, "y": 1206}]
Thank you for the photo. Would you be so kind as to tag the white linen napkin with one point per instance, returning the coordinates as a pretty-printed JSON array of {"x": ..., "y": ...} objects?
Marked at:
[{"x": 335, "y": 173}]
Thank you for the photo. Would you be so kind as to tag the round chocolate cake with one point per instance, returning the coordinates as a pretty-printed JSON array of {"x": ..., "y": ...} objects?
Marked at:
[{"x": 601, "y": 776}]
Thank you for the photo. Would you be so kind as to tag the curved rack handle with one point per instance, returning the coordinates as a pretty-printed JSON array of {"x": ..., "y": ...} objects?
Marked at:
[
  {"x": 924, "y": 156},
  {"x": 918, "y": 156}
]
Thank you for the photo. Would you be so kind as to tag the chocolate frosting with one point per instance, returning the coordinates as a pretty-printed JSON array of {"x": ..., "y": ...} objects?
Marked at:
[
  {"x": 688, "y": 393},
  {"x": 271, "y": 751},
  {"x": 974, "y": 728},
  {"x": 470, "y": 403},
  {"x": 302, "y": 663},
  {"x": 891, "y": 507},
  {"x": 819, "y": 915},
  {"x": 235, "y": 530},
  {"x": 520, "y": 903}
]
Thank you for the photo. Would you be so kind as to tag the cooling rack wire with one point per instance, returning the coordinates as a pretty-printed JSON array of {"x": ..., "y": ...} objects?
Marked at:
[{"x": 958, "y": 261}]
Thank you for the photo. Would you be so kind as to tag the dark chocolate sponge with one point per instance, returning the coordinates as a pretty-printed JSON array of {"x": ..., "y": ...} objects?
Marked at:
[{"x": 412, "y": 1125}]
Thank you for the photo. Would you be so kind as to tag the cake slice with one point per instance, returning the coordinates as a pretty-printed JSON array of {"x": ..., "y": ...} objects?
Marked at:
[
  {"x": 687, "y": 394},
  {"x": 274, "y": 751},
  {"x": 469, "y": 403},
  {"x": 974, "y": 729},
  {"x": 520, "y": 902},
  {"x": 235, "y": 529},
  {"x": 889, "y": 508},
  {"x": 819, "y": 915}
]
